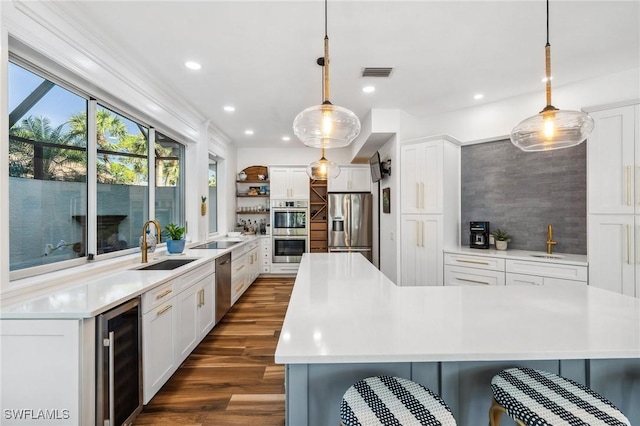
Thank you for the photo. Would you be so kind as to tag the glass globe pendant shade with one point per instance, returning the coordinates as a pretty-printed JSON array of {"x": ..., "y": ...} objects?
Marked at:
[
  {"x": 323, "y": 169},
  {"x": 326, "y": 126},
  {"x": 552, "y": 129}
]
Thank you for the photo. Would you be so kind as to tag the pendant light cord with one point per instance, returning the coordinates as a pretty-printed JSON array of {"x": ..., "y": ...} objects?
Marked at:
[
  {"x": 326, "y": 58},
  {"x": 547, "y": 54}
]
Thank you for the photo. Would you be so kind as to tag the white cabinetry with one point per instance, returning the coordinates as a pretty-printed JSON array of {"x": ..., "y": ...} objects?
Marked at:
[
  {"x": 473, "y": 270},
  {"x": 176, "y": 317},
  {"x": 614, "y": 200},
  {"x": 253, "y": 260},
  {"x": 159, "y": 322},
  {"x": 430, "y": 207},
  {"x": 289, "y": 183},
  {"x": 351, "y": 179},
  {"x": 489, "y": 269},
  {"x": 238, "y": 273},
  {"x": 265, "y": 254}
]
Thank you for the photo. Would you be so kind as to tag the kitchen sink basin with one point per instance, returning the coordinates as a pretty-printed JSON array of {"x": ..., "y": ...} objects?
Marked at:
[
  {"x": 548, "y": 256},
  {"x": 166, "y": 265}
]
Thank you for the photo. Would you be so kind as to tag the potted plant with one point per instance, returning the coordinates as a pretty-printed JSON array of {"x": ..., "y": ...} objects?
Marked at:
[
  {"x": 203, "y": 206},
  {"x": 501, "y": 239},
  {"x": 175, "y": 243}
]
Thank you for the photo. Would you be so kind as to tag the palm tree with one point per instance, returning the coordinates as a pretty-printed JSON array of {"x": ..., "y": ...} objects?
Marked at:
[{"x": 41, "y": 160}]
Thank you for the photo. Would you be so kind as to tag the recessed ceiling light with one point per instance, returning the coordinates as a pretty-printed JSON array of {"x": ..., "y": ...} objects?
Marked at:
[
  {"x": 229, "y": 108},
  {"x": 368, "y": 89},
  {"x": 192, "y": 65},
  {"x": 478, "y": 96},
  {"x": 286, "y": 138},
  {"x": 248, "y": 132}
]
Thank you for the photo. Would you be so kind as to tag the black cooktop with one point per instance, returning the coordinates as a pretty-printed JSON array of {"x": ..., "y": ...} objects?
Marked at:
[{"x": 216, "y": 245}]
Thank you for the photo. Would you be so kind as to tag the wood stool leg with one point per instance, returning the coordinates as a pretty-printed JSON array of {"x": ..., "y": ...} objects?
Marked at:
[{"x": 495, "y": 413}]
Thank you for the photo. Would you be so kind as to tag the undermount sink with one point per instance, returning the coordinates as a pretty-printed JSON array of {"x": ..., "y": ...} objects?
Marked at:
[
  {"x": 166, "y": 265},
  {"x": 548, "y": 256}
]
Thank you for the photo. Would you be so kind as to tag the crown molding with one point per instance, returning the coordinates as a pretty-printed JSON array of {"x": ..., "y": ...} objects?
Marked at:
[{"x": 51, "y": 29}]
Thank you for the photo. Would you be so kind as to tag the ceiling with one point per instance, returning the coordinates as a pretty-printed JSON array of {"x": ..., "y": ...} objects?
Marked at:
[{"x": 260, "y": 56}]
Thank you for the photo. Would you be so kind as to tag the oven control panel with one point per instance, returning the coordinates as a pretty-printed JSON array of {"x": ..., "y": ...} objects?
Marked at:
[{"x": 292, "y": 203}]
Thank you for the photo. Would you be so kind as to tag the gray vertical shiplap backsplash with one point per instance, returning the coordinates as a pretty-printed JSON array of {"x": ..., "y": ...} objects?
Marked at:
[{"x": 522, "y": 192}]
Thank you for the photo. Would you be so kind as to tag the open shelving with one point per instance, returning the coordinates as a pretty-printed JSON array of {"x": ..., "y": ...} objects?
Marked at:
[{"x": 318, "y": 213}]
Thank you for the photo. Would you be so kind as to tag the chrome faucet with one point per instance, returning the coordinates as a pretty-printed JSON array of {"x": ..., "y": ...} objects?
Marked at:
[
  {"x": 143, "y": 246},
  {"x": 550, "y": 242}
]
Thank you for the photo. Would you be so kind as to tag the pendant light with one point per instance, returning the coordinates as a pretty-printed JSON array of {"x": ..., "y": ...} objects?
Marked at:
[
  {"x": 326, "y": 125},
  {"x": 552, "y": 128},
  {"x": 323, "y": 169}
]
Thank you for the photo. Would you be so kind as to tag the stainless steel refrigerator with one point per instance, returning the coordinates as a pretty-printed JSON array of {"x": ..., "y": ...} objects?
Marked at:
[{"x": 350, "y": 223}]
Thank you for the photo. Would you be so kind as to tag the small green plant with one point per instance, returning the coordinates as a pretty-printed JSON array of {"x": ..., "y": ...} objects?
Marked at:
[
  {"x": 175, "y": 232},
  {"x": 204, "y": 199},
  {"x": 501, "y": 235}
]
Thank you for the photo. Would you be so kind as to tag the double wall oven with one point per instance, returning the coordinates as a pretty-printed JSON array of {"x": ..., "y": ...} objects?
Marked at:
[{"x": 289, "y": 229}]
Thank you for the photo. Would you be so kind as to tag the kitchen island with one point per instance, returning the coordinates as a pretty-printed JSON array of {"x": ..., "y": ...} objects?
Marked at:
[{"x": 346, "y": 320}]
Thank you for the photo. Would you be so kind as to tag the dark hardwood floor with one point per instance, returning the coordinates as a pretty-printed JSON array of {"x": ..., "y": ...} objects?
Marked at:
[{"x": 231, "y": 378}]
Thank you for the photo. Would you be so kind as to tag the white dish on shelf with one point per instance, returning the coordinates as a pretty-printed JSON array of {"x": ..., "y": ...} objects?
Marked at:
[{"x": 234, "y": 234}]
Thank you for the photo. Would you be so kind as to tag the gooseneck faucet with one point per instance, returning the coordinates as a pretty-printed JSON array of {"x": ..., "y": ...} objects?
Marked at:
[
  {"x": 143, "y": 246},
  {"x": 550, "y": 242}
]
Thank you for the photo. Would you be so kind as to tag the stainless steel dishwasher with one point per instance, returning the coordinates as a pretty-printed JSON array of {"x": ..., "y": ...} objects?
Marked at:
[{"x": 223, "y": 285}]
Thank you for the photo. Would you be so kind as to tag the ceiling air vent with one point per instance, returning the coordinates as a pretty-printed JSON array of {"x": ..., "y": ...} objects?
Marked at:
[{"x": 376, "y": 72}]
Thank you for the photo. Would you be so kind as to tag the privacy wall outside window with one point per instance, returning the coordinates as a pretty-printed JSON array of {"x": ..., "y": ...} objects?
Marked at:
[
  {"x": 50, "y": 138},
  {"x": 213, "y": 195}
]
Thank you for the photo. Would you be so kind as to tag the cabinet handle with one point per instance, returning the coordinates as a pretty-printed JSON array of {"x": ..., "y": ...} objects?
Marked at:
[
  {"x": 473, "y": 281},
  {"x": 478, "y": 262},
  {"x": 112, "y": 377},
  {"x": 163, "y": 310},
  {"x": 628, "y": 185},
  {"x": 628, "y": 245},
  {"x": 164, "y": 293},
  {"x": 200, "y": 298},
  {"x": 240, "y": 267}
]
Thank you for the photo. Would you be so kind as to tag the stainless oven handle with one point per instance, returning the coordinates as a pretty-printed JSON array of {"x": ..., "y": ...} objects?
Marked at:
[{"x": 112, "y": 380}]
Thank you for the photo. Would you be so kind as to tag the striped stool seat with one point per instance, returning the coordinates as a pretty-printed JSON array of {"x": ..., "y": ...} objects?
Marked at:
[
  {"x": 539, "y": 398},
  {"x": 384, "y": 400}
]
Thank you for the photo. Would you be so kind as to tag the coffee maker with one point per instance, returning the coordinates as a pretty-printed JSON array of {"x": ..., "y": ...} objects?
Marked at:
[{"x": 479, "y": 235}]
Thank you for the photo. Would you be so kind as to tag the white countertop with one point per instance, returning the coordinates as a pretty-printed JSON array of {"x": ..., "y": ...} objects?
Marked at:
[
  {"x": 343, "y": 310},
  {"x": 534, "y": 256},
  {"x": 89, "y": 295}
]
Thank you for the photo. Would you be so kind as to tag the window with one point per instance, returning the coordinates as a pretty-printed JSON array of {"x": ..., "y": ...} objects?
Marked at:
[
  {"x": 213, "y": 194},
  {"x": 54, "y": 220},
  {"x": 47, "y": 170},
  {"x": 169, "y": 157},
  {"x": 123, "y": 180}
]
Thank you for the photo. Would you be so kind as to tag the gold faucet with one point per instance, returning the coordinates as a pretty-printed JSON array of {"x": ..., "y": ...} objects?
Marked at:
[
  {"x": 143, "y": 246},
  {"x": 550, "y": 242}
]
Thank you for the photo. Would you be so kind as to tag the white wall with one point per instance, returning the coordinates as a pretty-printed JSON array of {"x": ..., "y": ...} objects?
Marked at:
[
  {"x": 389, "y": 222},
  {"x": 297, "y": 155}
]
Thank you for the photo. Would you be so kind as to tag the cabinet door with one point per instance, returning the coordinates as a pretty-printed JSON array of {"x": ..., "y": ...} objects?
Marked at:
[
  {"x": 461, "y": 276},
  {"x": 612, "y": 253},
  {"x": 360, "y": 179},
  {"x": 432, "y": 173},
  {"x": 611, "y": 161},
  {"x": 340, "y": 183},
  {"x": 411, "y": 178},
  {"x": 206, "y": 307},
  {"x": 410, "y": 231},
  {"x": 422, "y": 256},
  {"x": 187, "y": 330},
  {"x": 279, "y": 180},
  {"x": 299, "y": 184},
  {"x": 158, "y": 342}
]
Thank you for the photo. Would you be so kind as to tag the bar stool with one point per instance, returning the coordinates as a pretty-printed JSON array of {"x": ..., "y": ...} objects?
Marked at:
[
  {"x": 393, "y": 401},
  {"x": 539, "y": 398}
]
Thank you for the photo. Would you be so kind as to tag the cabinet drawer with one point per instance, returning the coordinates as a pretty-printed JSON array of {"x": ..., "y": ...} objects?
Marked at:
[
  {"x": 318, "y": 249},
  {"x": 238, "y": 267},
  {"x": 157, "y": 296},
  {"x": 548, "y": 269},
  {"x": 266, "y": 269},
  {"x": 266, "y": 249},
  {"x": 519, "y": 279},
  {"x": 478, "y": 262},
  {"x": 186, "y": 280},
  {"x": 455, "y": 275}
]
